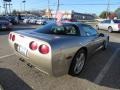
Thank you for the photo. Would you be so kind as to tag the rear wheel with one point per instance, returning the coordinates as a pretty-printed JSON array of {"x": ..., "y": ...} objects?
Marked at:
[
  {"x": 105, "y": 44},
  {"x": 78, "y": 63},
  {"x": 110, "y": 29},
  {"x": 97, "y": 27}
]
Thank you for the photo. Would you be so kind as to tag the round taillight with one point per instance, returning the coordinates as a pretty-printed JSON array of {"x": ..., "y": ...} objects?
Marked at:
[
  {"x": 13, "y": 37},
  {"x": 10, "y": 36},
  {"x": 44, "y": 49},
  {"x": 33, "y": 45},
  {"x": 118, "y": 25}
]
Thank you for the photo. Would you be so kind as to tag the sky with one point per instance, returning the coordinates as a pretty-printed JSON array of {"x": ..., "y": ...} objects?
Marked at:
[{"x": 75, "y": 5}]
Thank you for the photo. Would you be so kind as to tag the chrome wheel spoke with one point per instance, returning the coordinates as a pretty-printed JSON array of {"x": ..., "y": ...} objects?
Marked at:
[{"x": 79, "y": 63}]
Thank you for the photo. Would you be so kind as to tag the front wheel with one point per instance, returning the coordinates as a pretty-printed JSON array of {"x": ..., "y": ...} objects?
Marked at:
[
  {"x": 97, "y": 27},
  {"x": 78, "y": 63},
  {"x": 110, "y": 29},
  {"x": 105, "y": 44}
]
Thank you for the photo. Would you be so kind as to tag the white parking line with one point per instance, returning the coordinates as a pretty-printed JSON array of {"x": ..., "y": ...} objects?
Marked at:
[
  {"x": 1, "y": 57},
  {"x": 105, "y": 69}
]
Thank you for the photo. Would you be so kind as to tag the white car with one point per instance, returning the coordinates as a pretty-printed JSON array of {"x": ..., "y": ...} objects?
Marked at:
[
  {"x": 26, "y": 20},
  {"x": 41, "y": 21},
  {"x": 110, "y": 25},
  {"x": 50, "y": 20},
  {"x": 33, "y": 20}
]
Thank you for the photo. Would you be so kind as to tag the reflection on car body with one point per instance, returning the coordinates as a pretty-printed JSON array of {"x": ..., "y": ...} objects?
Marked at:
[{"x": 110, "y": 25}]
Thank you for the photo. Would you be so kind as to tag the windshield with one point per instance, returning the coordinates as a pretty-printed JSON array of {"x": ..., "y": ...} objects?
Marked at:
[
  {"x": 116, "y": 21},
  {"x": 64, "y": 29}
]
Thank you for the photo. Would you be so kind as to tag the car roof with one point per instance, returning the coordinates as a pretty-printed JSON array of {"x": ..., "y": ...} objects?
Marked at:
[{"x": 69, "y": 23}]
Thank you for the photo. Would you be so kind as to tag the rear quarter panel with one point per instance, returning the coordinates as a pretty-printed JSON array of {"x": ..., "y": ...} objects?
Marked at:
[{"x": 63, "y": 51}]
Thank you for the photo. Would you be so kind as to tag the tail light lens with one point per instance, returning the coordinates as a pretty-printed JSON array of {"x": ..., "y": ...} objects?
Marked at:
[
  {"x": 10, "y": 36},
  {"x": 118, "y": 25},
  {"x": 33, "y": 45},
  {"x": 13, "y": 37},
  {"x": 44, "y": 49}
]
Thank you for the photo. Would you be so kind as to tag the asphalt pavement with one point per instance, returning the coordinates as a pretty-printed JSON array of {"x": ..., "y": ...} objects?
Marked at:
[{"x": 102, "y": 70}]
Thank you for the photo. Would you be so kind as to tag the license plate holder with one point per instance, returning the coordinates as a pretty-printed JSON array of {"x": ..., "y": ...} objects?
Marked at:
[{"x": 22, "y": 50}]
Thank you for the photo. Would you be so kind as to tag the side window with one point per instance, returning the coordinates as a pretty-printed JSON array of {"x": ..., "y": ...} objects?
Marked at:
[
  {"x": 58, "y": 30},
  {"x": 87, "y": 30},
  {"x": 107, "y": 21},
  {"x": 65, "y": 30},
  {"x": 71, "y": 30},
  {"x": 103, "y": 22}
]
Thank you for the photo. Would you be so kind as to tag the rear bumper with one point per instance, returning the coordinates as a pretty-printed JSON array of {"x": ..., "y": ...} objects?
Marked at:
[
  {"x": 44, "y": 64},
  {"x": 53, "y": 64},
  {"x": 44, "y": 68},
  {"x": 56, "y": 68}
]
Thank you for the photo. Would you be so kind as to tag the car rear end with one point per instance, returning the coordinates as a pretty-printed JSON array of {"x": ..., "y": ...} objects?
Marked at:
[
  {"x": 5, "y": 25},
  {"x": 33, "y": 49},
  {"x": 116, "y": 25}
]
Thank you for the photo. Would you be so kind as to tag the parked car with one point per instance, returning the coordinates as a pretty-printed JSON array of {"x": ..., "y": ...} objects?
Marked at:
[
  {"x": 5, "y": 24},
  {"x": 110, "y": 25},
  {"x": 33, "y": 20},
  {"x": 13, "y": 19},
  {"x": 57, "y": 49},
  {"x": 50, "y": 20},
  {"x": 26, "y": 20},
  {"x": 41, "y": 21}
]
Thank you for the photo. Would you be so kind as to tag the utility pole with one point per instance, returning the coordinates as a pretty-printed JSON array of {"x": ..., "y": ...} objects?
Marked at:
[
  {"x": 24, "y": 2},
  {"x": 5, "y": 7},
  {"x": 108, "y": 9},
  {"x": 0, "y": 10},
  {"x": 58, "y": 5},
  {"x": 9, "y": 7},
  {"x": 48, "y": 10},
  {"x": 48, "y": 4}
]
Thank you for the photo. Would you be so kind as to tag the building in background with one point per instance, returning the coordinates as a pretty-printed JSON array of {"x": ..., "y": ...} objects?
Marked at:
[
  {"x": 48, "y": 13},
  {"x": 82, "y": 16},
  {"x": 75, "y": 15}
]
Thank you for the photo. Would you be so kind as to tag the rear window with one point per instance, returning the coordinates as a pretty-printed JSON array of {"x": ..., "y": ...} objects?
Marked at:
[
  {"x": 65, "y": 29},
  {"x": 116, "y": 21}
]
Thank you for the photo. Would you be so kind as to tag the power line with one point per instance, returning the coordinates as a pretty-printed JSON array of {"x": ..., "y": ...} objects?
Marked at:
[{"x": 87, "y": 4}]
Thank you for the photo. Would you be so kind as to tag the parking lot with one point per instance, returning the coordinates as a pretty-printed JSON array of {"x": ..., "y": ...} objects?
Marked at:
[{"x": 100, "y": 73}]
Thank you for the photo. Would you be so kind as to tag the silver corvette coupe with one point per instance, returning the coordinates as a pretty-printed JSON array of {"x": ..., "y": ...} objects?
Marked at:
[{"x": 58, "y": 49}]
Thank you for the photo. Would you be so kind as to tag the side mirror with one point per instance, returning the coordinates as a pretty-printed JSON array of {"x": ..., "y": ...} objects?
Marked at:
[{"x": 101, "y": 35}]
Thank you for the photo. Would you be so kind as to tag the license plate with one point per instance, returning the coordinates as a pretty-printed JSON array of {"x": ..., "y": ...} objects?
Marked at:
[{"x": 22, "y": 50}]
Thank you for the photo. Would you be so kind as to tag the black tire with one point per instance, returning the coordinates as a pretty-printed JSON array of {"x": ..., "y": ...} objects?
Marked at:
[
  {"x": 105, "y": 44},
  {"x": 73, "y": 68},
  {"x": 110, "y": 29},
  {"x": 97, "y": 27},
  {"x": 44, "y": 23}
]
